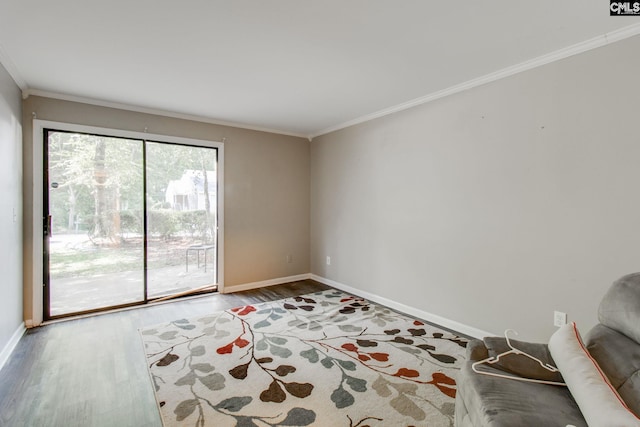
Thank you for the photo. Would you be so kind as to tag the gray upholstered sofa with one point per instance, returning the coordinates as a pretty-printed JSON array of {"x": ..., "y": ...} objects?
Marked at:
[{"x": 614, "y": 343}]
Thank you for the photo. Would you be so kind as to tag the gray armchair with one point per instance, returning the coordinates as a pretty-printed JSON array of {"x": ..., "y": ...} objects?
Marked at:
[{"x": 614, "y": 343}]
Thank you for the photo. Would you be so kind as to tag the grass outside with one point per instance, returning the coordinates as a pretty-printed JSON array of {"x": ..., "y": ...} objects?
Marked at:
[{"x": 89, "y": 259}]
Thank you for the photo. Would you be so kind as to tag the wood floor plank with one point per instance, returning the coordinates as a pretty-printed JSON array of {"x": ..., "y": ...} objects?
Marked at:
[{"x": 91, "y": 371}]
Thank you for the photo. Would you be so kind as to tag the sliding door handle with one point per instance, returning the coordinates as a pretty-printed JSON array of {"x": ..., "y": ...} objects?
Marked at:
[{"x": 47, "y": 226}]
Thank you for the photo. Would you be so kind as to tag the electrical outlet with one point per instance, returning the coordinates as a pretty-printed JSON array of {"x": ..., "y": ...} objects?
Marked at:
[
  {"x": 328, "y": 260},
  {"x": 559, "y": 318},
  {"x": 289, "y": 259}
]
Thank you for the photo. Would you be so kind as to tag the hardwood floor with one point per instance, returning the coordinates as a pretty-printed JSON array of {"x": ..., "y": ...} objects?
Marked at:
[{"x": 91, "y": 371}]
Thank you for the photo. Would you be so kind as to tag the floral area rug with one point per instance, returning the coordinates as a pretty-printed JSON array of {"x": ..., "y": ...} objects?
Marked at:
[{"x": 325, "y": 359}]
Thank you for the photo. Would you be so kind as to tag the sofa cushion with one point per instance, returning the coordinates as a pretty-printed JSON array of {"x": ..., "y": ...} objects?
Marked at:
[
  {"x": 598, "y": 400},
  {"x": 620, "y": 307},
  {"x": 520, "y": 365},
  {"x": 500, "y": 402},
  {"x": 619, "y": 358}
]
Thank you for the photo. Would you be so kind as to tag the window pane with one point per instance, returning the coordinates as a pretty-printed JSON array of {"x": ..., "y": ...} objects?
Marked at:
[
  {"x": 95, "y": 197},
  {"x": 181, "y": 218}
]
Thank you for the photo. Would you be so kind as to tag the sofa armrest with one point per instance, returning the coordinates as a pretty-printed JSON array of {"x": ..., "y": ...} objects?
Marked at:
[{"x": 476, "y": 350}]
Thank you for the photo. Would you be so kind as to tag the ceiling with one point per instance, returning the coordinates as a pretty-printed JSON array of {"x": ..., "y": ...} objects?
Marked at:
[{"x": 297, "y": 67}]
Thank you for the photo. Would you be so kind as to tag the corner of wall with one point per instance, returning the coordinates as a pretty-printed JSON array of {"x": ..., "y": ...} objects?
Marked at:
[{"x": 7, "y": 350}]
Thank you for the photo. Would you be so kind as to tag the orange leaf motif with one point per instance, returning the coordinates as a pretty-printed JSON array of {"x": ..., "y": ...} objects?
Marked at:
[
  {"x": 349, "y": 347},
  {"x": 441, "y": 378},
  {"x": 248, "y": 309},
  {"x": 451, "y": 392},
  {"x": 409, "y": 373},
  {"x": 225, "y": 349},
  {"x": 241, "y": 342},
  {"x": 380, "y": 357}
]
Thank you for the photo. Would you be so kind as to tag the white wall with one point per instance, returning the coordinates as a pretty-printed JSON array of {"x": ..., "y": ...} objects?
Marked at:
[
  {"x": 495, "y": 206},
  {"x": 10, "y": 211}
]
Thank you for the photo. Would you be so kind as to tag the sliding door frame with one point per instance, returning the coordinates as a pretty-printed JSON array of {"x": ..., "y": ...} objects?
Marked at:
[{"x": 39, "y": 146}]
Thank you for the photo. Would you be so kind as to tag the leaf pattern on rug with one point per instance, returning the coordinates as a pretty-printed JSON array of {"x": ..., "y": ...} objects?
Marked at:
[{"x": 326, "y": 358}]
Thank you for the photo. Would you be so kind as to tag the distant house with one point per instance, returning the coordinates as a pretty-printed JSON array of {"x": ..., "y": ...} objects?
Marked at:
[{"x": 188, "y": 192}]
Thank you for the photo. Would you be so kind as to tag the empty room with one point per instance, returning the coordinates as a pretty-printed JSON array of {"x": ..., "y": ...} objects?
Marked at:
[{"x": 293, "y": 213}]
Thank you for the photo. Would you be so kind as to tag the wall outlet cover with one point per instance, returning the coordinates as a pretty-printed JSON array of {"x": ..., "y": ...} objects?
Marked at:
[{"x": 559, "y": 318}]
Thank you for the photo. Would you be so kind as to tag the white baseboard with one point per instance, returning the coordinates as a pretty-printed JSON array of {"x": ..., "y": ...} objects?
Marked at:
[
  {"x": 262, "y": 284},
  {"x": 412, "y": 311},
  {"x": 11, "y": 345}
]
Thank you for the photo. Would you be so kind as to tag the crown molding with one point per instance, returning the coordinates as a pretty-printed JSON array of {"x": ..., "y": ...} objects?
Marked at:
[
  {"x": 575, "y": 49},
  {"x": 593, "y": 43},
  {"x": 11, "y": 68},
  {"x": 154, "y": 111}
]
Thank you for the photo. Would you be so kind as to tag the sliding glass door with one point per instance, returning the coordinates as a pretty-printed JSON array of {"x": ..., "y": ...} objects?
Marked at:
[
  {"x": 126, "y": 221},
  {"x": 181, "y": 218},
  {"x": 95, "y": 245}
]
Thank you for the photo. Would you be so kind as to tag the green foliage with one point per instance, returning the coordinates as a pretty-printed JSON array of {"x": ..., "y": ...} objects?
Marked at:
[
  {"x": 131, "y": 221},
  {"x": 162, "y": 223},
  {"x": 166, "y": 223},
  {"x": 195, "y": 223},
  {"x": 99, "y": 187}
]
